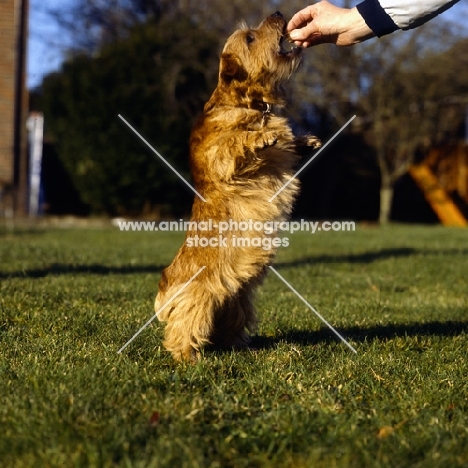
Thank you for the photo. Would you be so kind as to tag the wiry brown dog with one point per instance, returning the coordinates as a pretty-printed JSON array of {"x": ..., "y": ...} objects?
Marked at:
[{"x": 241, "y": 154}]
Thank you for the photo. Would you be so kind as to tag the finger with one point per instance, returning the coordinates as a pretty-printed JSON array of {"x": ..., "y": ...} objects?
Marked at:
[
  {"x": 314, "y": 40},
  {"x": 295, "y": 23},
  {"x": 301, "y": 18}
]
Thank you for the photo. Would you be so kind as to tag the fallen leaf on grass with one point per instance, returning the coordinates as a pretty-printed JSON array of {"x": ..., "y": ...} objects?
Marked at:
[
  {"x": 386, "y": 431},
  {"x": 154, "y": 420},
  {"x": 377, "y": 376},
  {"x": 374, "y": 287}
]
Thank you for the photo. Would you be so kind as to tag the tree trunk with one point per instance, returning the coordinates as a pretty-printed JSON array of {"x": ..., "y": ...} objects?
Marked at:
[{"x": 386, "y": 198}]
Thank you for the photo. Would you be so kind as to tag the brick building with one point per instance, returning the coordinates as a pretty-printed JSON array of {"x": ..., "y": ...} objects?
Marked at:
[{"x": 13, "y": 106}]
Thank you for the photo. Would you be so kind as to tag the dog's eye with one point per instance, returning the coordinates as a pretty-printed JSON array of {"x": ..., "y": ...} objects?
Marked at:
[{"x": 249, "y": 38}]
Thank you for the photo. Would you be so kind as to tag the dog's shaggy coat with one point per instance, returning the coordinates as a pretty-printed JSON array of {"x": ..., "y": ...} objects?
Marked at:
[{"x": 241, "y": 154}]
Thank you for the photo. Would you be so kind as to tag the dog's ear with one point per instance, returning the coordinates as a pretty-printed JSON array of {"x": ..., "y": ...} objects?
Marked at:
[{"x": 231, "y": 69}]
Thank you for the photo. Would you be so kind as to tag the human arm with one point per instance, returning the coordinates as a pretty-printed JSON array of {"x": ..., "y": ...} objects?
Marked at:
[{"x": 324, "y": 22}]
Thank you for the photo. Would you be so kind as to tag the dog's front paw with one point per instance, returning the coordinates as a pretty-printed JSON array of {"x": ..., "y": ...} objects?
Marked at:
[
  {"x": 304, "y": 143},
  {"x": 309, "y": 141},
  {"x": 313, "y": 142}
]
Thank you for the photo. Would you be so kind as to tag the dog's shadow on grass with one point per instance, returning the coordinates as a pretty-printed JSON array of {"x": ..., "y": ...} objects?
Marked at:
[
  {"x": 361, "y": 334},
  {"x": 369, "y": 257},
  {"x": 59, "y": 269}
]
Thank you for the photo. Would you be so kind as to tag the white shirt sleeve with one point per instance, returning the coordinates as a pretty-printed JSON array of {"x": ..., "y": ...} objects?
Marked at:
[{"x": 411, "y": 13}]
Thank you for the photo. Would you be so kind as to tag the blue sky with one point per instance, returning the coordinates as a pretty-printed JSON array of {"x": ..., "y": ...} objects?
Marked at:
[{"x": 48, "y": 44}]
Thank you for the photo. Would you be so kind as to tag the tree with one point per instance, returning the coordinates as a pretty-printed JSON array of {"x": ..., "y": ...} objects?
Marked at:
[
  {"x": 158, "y": 78},
  {"x": 91, "y": 24}
]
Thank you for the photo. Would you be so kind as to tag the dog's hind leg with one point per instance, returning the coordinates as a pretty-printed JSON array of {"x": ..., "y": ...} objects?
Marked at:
[{"x": 234, "y": 318}]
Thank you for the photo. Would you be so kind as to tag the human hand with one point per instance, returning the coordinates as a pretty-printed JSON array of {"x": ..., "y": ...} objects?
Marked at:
[{"x": 323, "y": 22}]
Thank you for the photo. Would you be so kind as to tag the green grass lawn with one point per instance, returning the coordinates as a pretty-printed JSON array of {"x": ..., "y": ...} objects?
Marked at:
[{"x": 69, "y": 299}]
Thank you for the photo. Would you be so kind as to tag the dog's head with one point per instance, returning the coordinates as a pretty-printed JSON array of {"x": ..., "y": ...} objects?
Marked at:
[{"x": 258, "y": 56}]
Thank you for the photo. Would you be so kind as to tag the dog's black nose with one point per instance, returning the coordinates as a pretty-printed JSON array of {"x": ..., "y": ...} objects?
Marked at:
[{"x": 277, "y": 14}]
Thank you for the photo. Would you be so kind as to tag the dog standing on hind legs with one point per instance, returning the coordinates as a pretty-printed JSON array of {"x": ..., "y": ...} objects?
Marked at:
[{"x": 242, "y": 152}]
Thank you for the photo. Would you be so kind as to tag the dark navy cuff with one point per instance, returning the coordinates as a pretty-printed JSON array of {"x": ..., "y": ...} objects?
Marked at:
[{"x": 376, "y": 18}]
